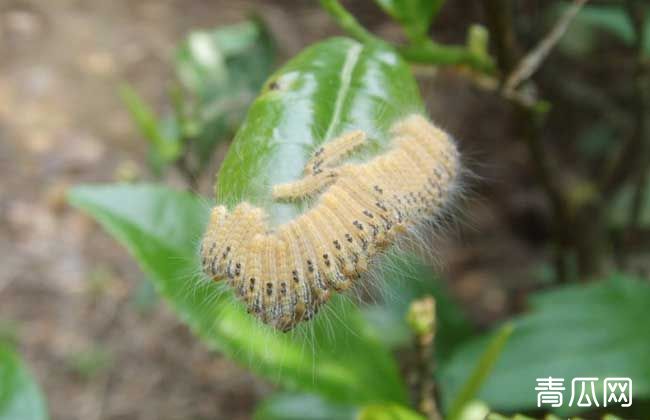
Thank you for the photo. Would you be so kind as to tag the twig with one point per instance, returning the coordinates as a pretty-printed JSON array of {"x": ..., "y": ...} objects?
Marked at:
[
  {"x": 421, "y": 318},
  {"x": 532, "y": 61}
]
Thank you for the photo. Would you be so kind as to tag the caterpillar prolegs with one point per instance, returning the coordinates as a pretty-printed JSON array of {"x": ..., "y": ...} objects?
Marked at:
[{"x": 284, "y": 275}]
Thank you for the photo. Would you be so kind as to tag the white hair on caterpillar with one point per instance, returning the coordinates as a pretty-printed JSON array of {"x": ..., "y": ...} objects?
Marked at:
[{"x": 397, "y": 199}]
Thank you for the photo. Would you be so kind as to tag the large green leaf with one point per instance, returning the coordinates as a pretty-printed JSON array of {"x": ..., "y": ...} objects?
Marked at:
[
  {"x": 331, "y": 87},
  {"x": 414, "y": 15},
  {"x": 161, "y": 228},
  {"x": 20, "y": 397},
  {"x": 595, "y": 330}
]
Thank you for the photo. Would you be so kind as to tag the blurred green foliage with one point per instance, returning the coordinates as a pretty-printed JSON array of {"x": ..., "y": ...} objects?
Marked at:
[
  {"x": 481, "y": 371},
  {"x": 619, "y": 214},
  {"x": 297, "y": 406},
  {"x": 9, "y": 332},
  {"x": 388, "y": 412},
  {"x": 405, "y": 279},
  {"x": 218, "y": 72},
  {"x": 595, "y": 20},
  {"x": 88, "y": 363},
  {"x": 572, "y": 331},
  {"x": 313, "y": 407},
  {"x": 415, "y": 16},
  {"x": 20, "y": 397}
]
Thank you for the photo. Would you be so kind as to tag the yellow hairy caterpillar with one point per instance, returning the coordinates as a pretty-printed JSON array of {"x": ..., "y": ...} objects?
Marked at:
[{"x": 285, "y": 274}]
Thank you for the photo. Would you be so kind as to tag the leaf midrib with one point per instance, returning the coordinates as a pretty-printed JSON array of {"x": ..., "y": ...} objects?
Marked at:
[{"x": 349, "y": 65}]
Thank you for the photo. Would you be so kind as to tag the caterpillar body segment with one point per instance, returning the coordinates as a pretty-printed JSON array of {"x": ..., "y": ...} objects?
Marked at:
[
  {"x": 318, "y": 172},
  {"x": 286, "y": 273},
  {"x": 307, "y": 186},
  {"x": 334, "y": 151}
]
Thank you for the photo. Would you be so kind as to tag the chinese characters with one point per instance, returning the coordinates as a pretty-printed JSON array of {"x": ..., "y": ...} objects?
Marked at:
[{"x": 585, "y": 392}]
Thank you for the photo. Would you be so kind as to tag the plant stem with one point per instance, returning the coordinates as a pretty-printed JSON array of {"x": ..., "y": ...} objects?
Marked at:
[
  {"x": 499, "y": 15},
  {"x": 348, "y": 22},
  {"x": 430, "y": 52},
  {"x": 421, "y": 318},
  {"x": 420, "y": 51}
]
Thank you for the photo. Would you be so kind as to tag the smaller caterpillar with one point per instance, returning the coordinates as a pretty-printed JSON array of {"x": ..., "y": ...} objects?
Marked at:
[{"x": 286, "y": 274}]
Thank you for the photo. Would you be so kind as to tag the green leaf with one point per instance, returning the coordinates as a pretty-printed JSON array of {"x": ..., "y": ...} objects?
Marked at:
[
  {"x": 415, "y": 16},
  {"x": 331, "y": 87},
  {"x": 575, "y": 331},
  {"x": 405, "y": 279},
  {"x": 335, "y": 356},
  {"x": 480, "y": 373},
  {"x": 222, "y": 70},
  {"x": 225, "y": 60},
  {"x": 164, "y": 141},
  {"x": 303, "y": 407},
  {"x": 20, "y": 397},
  {"x": 593, "y": 19}
]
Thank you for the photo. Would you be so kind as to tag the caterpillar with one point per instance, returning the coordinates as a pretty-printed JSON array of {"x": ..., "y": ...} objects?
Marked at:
[{"x": 285, "y": 274}]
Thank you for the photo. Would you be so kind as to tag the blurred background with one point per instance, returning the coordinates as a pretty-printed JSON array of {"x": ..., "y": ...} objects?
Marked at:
[{"x": 75, "y": 76}]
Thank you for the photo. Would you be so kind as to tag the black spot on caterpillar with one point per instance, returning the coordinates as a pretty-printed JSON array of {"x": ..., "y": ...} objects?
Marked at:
[{"x": 362, "y": 209}]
